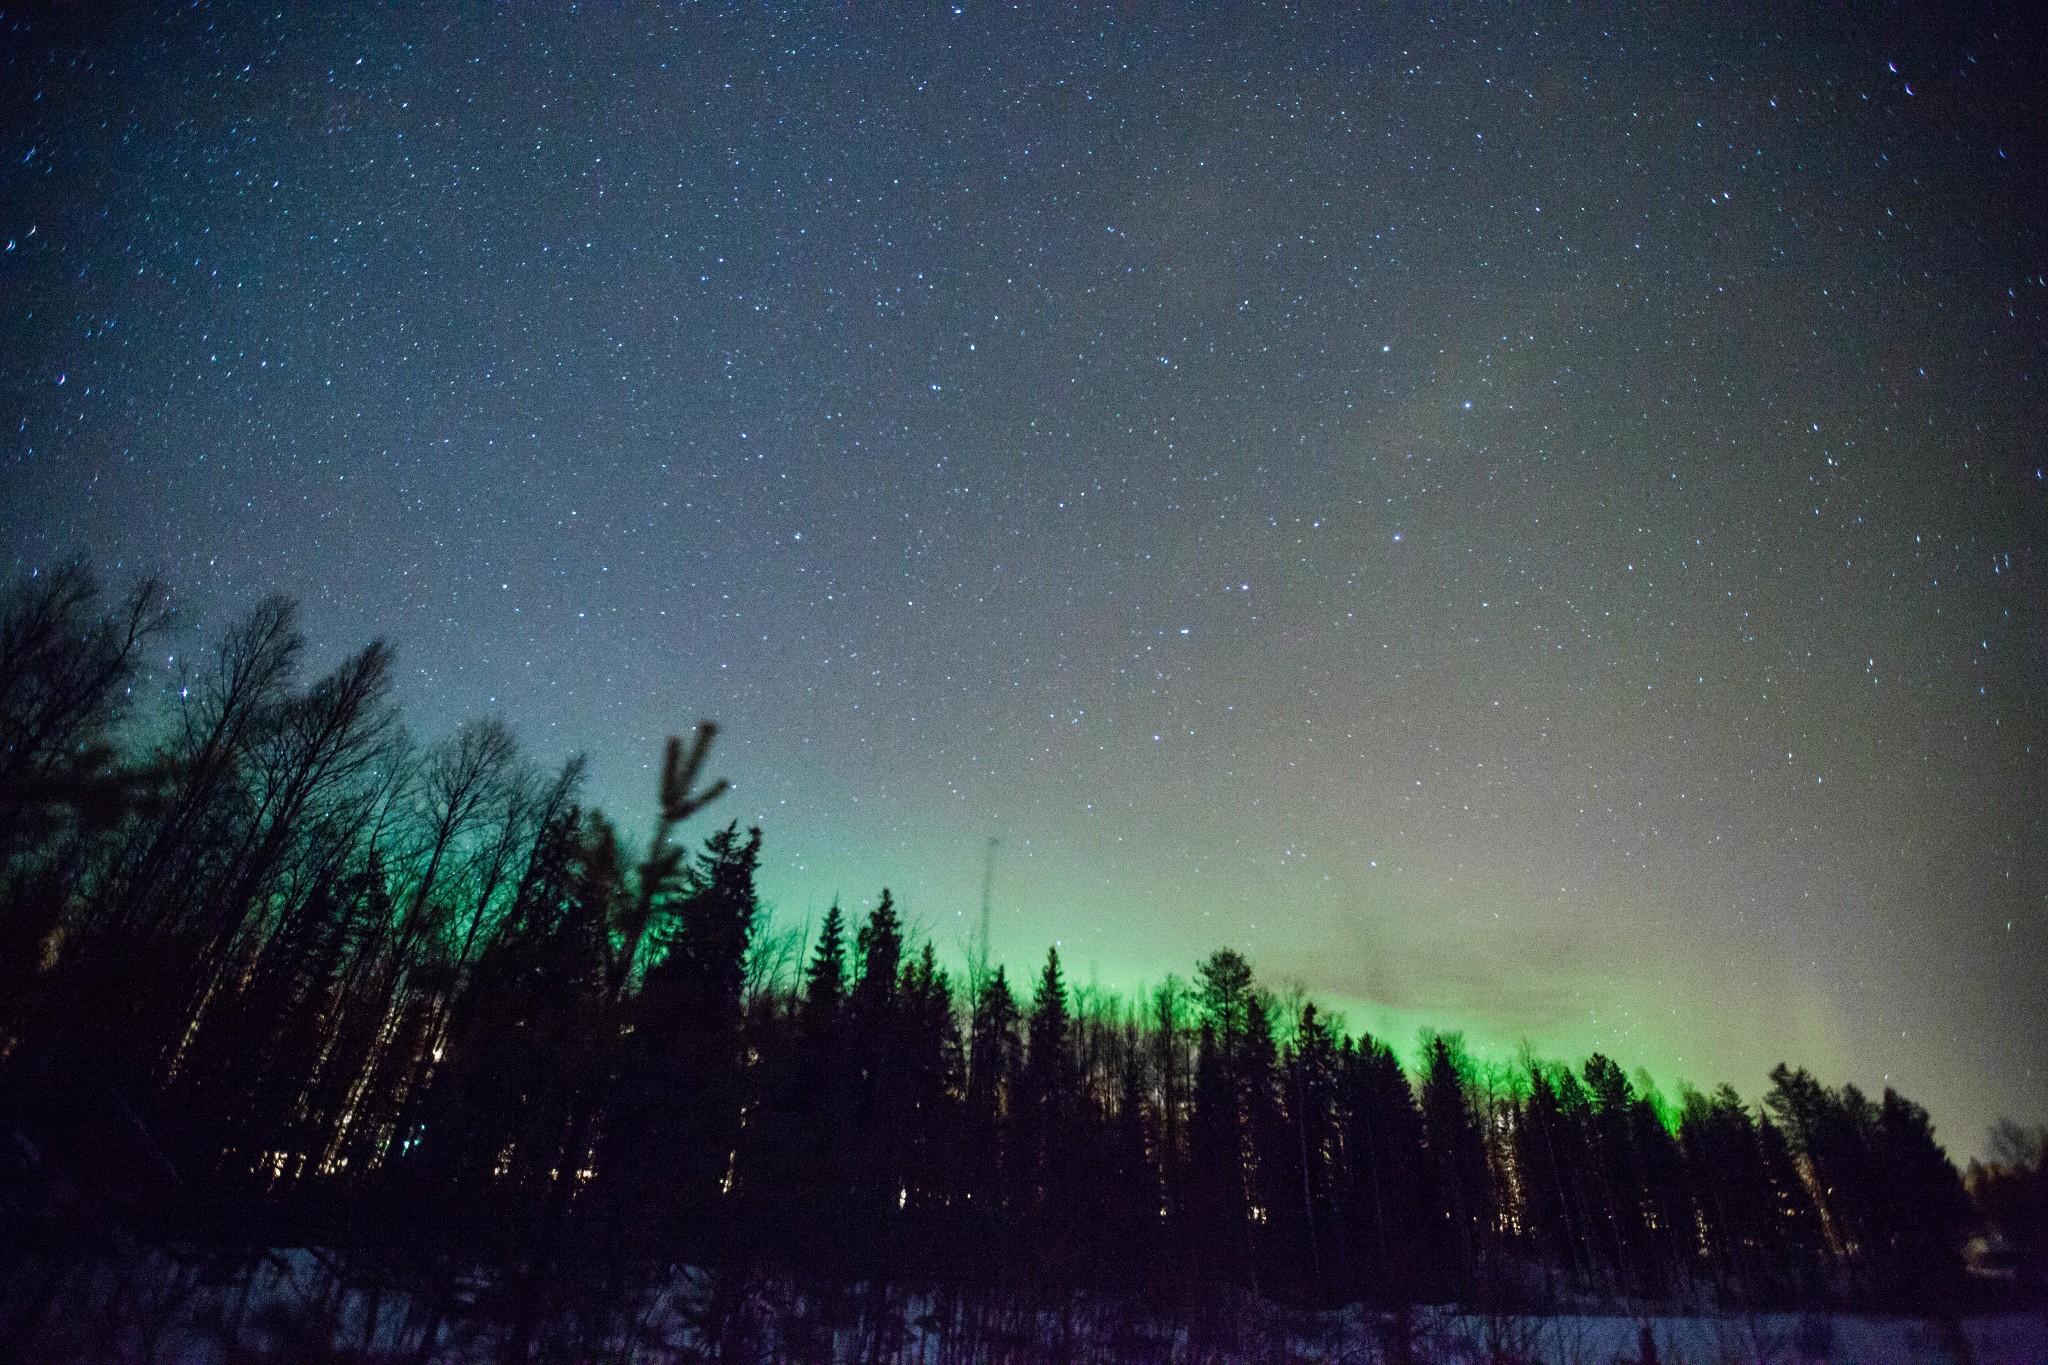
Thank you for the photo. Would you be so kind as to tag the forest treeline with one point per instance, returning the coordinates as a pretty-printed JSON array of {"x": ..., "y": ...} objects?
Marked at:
[{"x": 273, "y": 973}]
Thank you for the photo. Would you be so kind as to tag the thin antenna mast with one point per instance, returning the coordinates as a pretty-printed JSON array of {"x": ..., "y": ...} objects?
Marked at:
[{"x": 988, "y": 878}]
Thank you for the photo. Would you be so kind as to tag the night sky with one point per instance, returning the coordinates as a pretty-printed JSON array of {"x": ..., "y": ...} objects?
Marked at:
[{"x": 1535, "y": 530}]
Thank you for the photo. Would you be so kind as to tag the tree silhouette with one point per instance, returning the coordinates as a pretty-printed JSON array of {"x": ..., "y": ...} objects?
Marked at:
[
  {"x": 65, "y": 667},
  {"x": 276, "y": 976},
  {"x": 2011, "y": 1189},
  {"x": 1394, "y": 1236},
  {"x": 1309, "y": 1082},
  {"x": 1046, "y": 1114},
  {"x": 1456, "y": 1165},
  {"x": 990, "y": 1169},
  {"x": 680, "y": 1086}
]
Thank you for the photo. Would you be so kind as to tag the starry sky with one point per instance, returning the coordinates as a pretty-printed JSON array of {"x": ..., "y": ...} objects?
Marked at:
[{"x": 1530, "y": 523}]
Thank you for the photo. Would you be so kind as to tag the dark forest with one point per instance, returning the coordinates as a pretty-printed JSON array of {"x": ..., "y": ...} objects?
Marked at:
[{"x": 273, "y": 974}]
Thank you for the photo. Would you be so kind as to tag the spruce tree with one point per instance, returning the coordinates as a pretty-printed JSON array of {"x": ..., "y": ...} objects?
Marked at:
[
  {"x": 874, "y": 1042},
  {"x": 994, "y": 1081},
  {"x": 1309, "y": 1086},
  {"x": 825, "y": 979},
  {"x": 1457, "y": 1163}
]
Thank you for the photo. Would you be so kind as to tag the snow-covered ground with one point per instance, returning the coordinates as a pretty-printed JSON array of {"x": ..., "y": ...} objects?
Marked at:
[
  {"x": 1763, "y": 1338},
  {"x": 299, "y": 1305}
]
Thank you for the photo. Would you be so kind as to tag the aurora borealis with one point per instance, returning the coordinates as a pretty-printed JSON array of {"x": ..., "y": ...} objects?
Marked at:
[{"x": 1528, "y": 527}]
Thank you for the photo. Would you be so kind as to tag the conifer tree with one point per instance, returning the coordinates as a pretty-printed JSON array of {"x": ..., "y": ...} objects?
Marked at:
[
  {"x": 1824, "y": 1130},
  {"x": 1800, "y": 1236},
  {"x": 1309, "y": 1084},
  {"x": 1617, "y": 1190},
  {"x": 880, "y": 944},
  {"x": 669, "y": 1144},
  {"x": 931, "y": 1060},
  {"x": 1047, "y": 1128},
  {"x": 1218, "y": 1207},
  {"x": 1740, "y": 1220},
  {"x": 874, "y": 1038},
  {"x": 825, "y": 977},
  {"x": 1128, "y": 1231},
  {"x": 1267, "y": 1152},
  {"x": 688, "y": 1048},
  {"x": 1457, "y": 1162},
  {"x": 1221, "y": 1143},
  {"x": 1923, "y": 1213},
  {"x": 1383, "y": 1176},
  {"x": 319, "y": 982},
  {"x": 994, "y": 1079},
  {"x": 1549, "y": 1148}
]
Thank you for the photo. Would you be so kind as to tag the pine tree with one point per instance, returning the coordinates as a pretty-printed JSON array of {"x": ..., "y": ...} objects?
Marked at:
[
  {"x": 1223, "y": 986},
  {"x": 1799, "y": 1236},
  {"x": 1267, "y": 1152},
  {"x": 1671, "y": 1225},
  {"x": 1049, "y": 1063},
  {"x": 930, "y": 1175},
  {"x": 1170, "y": 1063},
  {"x": 879, "y": 1100},
  {"x": 1760, "y": 1232},
  {"x": 1222, "y": 1157},
  {"x": 1617, "y": 1186},
  {"x": 1924, "y": 1214},
  {"x": 1128, "y": 1232},
  {"x": 1550, "y": 1146},
  {"x": 1457, "y": 1163},
  {"x": 1383, "y": 1177},
  {"x": 880, "y": 944},
  {"x": 1824, "y": 1130},
  {"x": 825, "y": 979},
  {"x": 1048, "y": 1126},
  {"x": 994, "y": 1080},
  {"x": 316, "y": 983},
  {"x": 688, "y": 1043},
  {"x": 1217, "y": 1207},
  {"x": 1309, "y": 1085}
]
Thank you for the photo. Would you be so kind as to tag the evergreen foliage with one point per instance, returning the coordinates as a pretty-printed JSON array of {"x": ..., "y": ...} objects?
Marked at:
[{"x": 275, "y": 976}]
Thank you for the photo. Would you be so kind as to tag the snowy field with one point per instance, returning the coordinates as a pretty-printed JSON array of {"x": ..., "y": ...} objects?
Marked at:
[{"x": 299, "y": 1306}]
